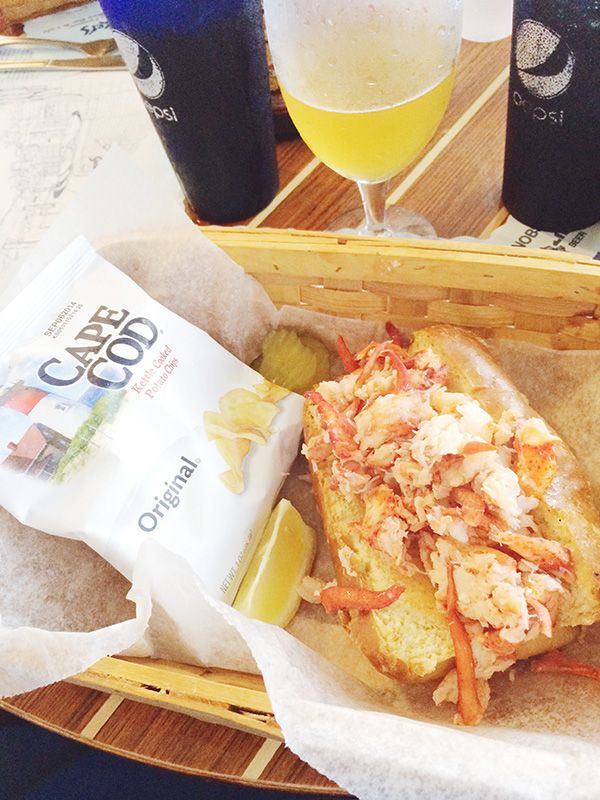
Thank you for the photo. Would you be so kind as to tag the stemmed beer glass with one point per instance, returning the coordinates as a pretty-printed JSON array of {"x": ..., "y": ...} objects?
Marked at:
[{"x": 366, "y": 83}]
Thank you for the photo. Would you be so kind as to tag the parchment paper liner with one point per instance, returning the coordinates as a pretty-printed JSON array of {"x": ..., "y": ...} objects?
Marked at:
[{"x": 62, "y": 608}]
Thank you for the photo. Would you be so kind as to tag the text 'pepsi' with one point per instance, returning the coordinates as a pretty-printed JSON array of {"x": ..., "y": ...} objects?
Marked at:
[
  {"x": 202, "y": 73},
  {"x": 552, "y": 170}
]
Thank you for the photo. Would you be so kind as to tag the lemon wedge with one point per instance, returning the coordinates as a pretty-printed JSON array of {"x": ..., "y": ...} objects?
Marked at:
[{"x": 284, "y": 556}]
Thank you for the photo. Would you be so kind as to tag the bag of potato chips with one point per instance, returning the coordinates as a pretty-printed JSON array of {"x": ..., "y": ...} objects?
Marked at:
[{"x": 121, "y": 421}]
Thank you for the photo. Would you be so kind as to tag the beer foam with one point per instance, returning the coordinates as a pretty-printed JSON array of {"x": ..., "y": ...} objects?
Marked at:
[{"x": 364, "y": 57}]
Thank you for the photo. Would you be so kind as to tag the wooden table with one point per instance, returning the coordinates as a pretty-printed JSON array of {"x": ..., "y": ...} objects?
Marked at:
[{"x": 456, "y": 183}]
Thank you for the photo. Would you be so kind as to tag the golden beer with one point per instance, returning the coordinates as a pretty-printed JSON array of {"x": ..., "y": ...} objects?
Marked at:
[{"x": 376, "y": 144}]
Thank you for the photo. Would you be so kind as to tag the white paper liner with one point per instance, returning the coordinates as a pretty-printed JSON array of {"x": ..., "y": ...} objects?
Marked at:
[
  {"x": 61, "y": 608},
  {"x": 374, "y": 737}
]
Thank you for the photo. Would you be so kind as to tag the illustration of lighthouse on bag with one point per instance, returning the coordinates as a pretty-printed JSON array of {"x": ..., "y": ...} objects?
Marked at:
[{"x": 43, "y": 434}]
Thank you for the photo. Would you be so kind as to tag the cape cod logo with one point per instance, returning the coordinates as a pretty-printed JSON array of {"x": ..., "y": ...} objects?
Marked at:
[{"x": 544, "y": 61}]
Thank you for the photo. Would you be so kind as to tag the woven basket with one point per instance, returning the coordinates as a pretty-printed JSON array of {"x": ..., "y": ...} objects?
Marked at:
[
  {"x": 547, "y": 298},
  {"x": 544, "y": 297}
]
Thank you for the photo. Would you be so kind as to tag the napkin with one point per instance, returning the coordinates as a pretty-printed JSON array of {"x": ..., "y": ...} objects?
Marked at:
[{"x": 487, "y": 20}]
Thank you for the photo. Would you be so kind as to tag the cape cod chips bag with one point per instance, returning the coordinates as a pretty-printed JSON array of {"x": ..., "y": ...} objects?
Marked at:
[{"x": 120, "y": 421}]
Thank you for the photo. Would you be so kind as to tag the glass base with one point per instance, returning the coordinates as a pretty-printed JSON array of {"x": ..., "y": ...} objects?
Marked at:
[{"x": 401, "y": 223}]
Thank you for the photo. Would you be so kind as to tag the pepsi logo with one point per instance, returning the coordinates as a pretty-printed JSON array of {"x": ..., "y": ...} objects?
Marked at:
[
  {"x": 544, "y": 61},
  {"x": 145, "y": 69}
]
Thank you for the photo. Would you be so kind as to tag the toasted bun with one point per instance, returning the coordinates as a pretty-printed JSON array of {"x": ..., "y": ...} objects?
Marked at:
[{"x": 410, "y": 640}]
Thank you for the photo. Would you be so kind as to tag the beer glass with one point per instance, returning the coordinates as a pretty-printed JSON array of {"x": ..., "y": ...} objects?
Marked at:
[{"x": 366, "y": 83}]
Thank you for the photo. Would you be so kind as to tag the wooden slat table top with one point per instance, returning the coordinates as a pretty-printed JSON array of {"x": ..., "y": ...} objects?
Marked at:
[{"x": 456, "y": 183}]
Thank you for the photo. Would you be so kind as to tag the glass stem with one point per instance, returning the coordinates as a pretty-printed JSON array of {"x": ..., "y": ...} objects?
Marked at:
[{"x": 373, "y": 196}]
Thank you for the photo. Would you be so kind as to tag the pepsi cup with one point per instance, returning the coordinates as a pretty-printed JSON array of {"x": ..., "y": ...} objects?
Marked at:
[
  {"x": 201, "y": 70},
  {"x": 552, "y": 169}
]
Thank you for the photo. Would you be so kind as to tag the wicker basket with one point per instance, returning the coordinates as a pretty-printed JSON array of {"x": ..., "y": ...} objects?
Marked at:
[{"x": 543, "y": 297}]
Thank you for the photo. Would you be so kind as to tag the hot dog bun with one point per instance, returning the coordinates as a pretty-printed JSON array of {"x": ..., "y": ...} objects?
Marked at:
[
  {"x": 410, "y": 640},
  {"x": 566, "y": 512}
]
